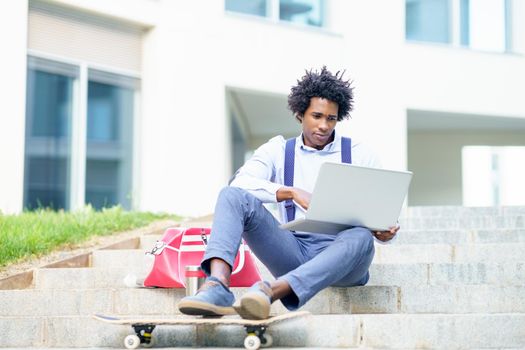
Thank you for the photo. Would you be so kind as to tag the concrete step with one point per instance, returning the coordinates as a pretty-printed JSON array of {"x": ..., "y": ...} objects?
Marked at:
[
  {"x": 448, "y": 253},
  {"x": 199, "y": 348},
  {"x": 148, "y": 242},
  {"x": 366, "y": 299},
  {"x": 132, "y": 259},
  {"x": 135, "y": 259},
  {"x": 463, "y": 222},
  {"x": 453, "y": 211},
  {"x": 400, "y": 331},
  {"x": 417, "y": 274},
  {"x": 97, "y": 277},
  {"x": 85, "y": 277},
  {"x": 445, "y": 236},
  {"x": 454, "y": 236}
]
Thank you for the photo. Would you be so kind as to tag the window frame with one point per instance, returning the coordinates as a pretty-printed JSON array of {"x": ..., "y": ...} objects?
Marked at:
[
  {"x": 457, "y": 33},
  {"x": 273, "y": 15},
  {"x": 78, "y": 138}
]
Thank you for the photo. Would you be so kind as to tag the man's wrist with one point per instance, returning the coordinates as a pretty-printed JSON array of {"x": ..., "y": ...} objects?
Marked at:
[{"x": 284, "y": 193}]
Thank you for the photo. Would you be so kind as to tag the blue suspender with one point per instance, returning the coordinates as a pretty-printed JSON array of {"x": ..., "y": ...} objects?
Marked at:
[
  {"x": 289, "y": 166},
  {"x": 346, "y": 150}
]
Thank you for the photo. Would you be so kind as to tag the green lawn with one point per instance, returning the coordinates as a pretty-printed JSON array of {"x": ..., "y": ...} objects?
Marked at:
[{"x": 35, "y": 233}]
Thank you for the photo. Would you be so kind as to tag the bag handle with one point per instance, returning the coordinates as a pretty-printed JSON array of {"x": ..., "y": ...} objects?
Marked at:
[{"x": 159, "y": 247}]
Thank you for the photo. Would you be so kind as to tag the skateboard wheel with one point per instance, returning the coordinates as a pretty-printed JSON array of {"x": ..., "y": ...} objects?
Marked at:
[
  {"x": 266, "y": 341},
  {"x": 252, "y": 342},
  {"x": 132, "y": 342}
]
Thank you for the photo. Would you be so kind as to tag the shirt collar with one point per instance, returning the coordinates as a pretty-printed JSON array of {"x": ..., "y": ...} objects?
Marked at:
[{"x": 332, "y": 147}]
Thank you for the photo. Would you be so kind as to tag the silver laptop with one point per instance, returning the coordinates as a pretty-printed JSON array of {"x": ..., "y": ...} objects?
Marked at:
[{"x": 347, "y": 195}]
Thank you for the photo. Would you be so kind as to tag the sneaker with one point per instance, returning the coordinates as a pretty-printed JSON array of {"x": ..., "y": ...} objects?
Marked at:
[
  {"x": 256, "y": 302},
  {"x": 212, "y": 299}
]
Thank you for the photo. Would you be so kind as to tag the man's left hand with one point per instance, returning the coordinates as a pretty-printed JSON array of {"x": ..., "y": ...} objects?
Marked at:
[{"x": 385, "y": 236}]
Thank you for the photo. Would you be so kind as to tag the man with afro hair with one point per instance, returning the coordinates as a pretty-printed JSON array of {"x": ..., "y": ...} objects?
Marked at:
[{"x": 303, "y": 263}]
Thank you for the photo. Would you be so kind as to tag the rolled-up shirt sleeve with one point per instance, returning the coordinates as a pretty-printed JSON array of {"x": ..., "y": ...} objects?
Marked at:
[{"x": 258, "y": 173}]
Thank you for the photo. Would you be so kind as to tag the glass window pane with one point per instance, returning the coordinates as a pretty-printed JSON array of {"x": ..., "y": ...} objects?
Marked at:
[
  {"x": 492, "y": 176},
  {"x": 487, "y": 25},
  {"x": 48, "y": 136},
  {"x": 103, "y": 112},
  {"x": 464, "y": 22},
  {"x": 309, "y": 12},
  {"x": 109, "y": 144},
  {"x": 102, "y": 182},
  {"x": 428, "y": 20},
  {"x": 251, "y": 7}
]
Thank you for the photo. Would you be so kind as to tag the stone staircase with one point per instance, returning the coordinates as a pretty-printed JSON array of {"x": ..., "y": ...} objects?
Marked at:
[{"x": 453, "y": 279}]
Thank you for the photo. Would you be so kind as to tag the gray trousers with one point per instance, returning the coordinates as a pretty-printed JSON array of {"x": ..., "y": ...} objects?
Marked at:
[{"x": 308, "y": 262}]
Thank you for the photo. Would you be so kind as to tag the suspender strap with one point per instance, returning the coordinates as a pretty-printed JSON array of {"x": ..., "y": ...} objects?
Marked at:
[
  {"x": 346, "y": 150},
  {"x": 289, "y": 166}
]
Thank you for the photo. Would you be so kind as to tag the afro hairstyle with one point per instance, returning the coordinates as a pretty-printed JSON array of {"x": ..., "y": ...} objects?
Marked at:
[{"x": 322, "y": 84}]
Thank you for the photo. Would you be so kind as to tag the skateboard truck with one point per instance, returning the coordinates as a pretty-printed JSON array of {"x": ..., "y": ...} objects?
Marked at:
[{"x": 142, "y": 336}]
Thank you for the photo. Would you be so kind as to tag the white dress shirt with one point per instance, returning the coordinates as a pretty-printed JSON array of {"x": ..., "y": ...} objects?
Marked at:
[{"x": 263, "y": 174}]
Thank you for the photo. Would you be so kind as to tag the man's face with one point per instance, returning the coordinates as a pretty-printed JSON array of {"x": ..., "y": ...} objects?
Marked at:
[{"x": 318, "y": 122}]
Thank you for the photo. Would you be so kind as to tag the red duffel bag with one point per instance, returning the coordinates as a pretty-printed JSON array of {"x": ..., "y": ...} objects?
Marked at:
[{"x": 181, "y": 247}]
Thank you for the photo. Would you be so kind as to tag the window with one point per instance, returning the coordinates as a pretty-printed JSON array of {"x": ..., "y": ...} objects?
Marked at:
[
  {"x": 428, "y": 20},
  {"x": 78, "y": 153},
  {"x": 477, "y": 24},
  {"x": 109, "y": 140},
  {"x": 250, "y": 7},
  {"x": 48, "y": 135},
  {"x": 491, "y": 176},
  {"x": 487, "y": 25},
  {"x": 305, "y": 12}
]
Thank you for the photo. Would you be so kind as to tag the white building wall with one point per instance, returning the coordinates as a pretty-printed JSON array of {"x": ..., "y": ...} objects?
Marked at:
[
  {"x": 13, "y": 66},
  {"x": 440, "y": 78},
  {"x": 374, "y": 36},
  {"x": 192, "y": 51}
]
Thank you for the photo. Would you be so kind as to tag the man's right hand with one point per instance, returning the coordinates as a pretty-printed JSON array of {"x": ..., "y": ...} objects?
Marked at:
[{"x": 298, "y": 195}]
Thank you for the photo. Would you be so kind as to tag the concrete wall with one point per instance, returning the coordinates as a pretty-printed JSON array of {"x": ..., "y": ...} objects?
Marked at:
[
  {"x": 435, "y": 159},
  {"x": 373, "y": 56},
  {"x": 464, "y": 81},
  {"x": 13, "y": 36}
]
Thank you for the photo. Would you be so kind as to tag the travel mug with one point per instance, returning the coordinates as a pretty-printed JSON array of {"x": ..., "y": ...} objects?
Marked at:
[{"x": 194, "y": 278}]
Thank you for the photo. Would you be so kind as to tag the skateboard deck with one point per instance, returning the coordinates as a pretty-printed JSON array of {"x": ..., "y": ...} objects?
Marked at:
[{"x": 143, "y": 326}]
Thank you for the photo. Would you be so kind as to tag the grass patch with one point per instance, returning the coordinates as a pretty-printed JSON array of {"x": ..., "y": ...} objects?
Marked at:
[{"x": 35, "y": 233}]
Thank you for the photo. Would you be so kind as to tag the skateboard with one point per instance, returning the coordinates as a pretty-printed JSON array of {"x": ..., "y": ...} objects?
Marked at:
[{"x": 256, "y": 336}]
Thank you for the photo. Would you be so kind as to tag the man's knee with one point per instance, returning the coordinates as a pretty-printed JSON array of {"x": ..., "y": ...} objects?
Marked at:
[
  {"x": 232, "y": 194},
  {"x": 360, "y": 236},
  {"x": 236, "y": 197}
]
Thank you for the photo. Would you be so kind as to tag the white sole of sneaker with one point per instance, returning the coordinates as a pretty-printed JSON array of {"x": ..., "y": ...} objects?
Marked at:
[
  {"x": 253, "y": 306},
  {"x": 197, "y": 308}
]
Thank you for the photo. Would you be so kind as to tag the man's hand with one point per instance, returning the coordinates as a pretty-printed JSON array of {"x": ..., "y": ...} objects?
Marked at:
[
  {"x": 385, "y": 236},
  {"x": 298, "y": 195}
]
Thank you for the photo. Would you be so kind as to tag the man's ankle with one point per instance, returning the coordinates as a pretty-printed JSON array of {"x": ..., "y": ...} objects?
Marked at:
[
  {"x": 220, "y": 270},
  {"x": 280, "y": 289},
  {"x": 225, "y": 281}
]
